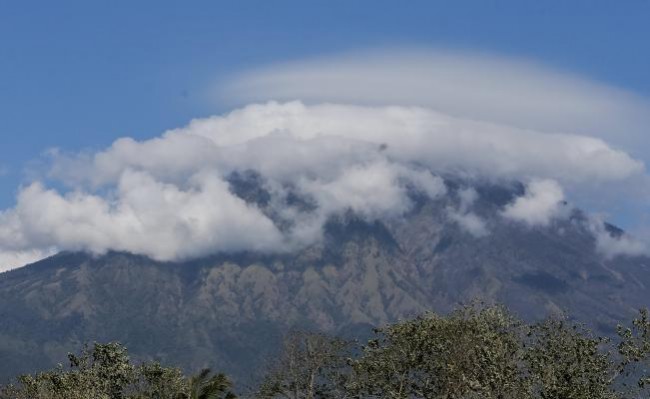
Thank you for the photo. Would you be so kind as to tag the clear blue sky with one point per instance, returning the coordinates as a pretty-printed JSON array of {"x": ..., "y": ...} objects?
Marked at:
[{"x": 78, "y": 74}]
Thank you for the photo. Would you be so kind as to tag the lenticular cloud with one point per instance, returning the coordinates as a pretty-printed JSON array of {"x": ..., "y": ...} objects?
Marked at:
[
  {"x": 172, "y": 197},
  {"x": 479, "y": 86}
]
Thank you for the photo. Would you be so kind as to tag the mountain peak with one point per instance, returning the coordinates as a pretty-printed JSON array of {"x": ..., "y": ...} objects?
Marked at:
[{"x": 364, "y": 272}]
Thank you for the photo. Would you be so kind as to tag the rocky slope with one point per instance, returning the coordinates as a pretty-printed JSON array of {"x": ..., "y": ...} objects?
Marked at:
[{"x": 228, "y": 311}]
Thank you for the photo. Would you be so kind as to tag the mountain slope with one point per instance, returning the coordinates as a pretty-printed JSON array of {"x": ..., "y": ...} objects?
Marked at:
[{"x": 227, "y": 311}]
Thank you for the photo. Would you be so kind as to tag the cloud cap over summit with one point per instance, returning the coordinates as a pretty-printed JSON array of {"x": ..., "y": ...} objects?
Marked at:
[
  {"x": 169, "y": 197},
  {"x": 466, "y": 84}
]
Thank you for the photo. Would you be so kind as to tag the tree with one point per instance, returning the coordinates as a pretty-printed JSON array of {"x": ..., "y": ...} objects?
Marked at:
[
  {"x": 98, "y": 373},
  {"x": 156, "y": 381},
  {"x": 310, "y": 366},
  {"x": 634, "y": 350},
  {"x": 473, "y": 353},
  {"x": 105, "y": 372},
  {"x": 566, "y": 361},
  {"x": 204, "y": 386}
]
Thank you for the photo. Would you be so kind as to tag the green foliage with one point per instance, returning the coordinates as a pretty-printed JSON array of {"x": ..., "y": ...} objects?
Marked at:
[
  {"x": 566, "y": 361},
  {"x": 476, "y": 352},
  {"x": 473, "y": 353},
  {"x": 94, "y": 374},
  {"x": 310, "y": 366},
  {"x": 105, "y": 372},
  {"x": 204, "y": 386},
  {"x": 635, "y": 349},
  {"x": 156, "y": 381}
]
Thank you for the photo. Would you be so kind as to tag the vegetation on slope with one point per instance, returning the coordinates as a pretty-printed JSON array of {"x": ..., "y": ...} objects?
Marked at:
[{"x": 475, "y": 352}]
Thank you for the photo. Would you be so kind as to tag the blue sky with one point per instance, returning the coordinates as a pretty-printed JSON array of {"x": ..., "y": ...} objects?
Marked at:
[{"x": 77, "y": 74}]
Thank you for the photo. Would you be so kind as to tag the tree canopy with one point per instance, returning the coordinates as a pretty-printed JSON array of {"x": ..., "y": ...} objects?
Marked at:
[{"x": 475, "y": 352}]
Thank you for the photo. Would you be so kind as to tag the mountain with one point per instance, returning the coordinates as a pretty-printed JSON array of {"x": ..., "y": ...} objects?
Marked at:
[{"x": 229, "y": 310}]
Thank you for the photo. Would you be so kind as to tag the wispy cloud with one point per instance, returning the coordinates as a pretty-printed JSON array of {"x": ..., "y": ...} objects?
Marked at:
[
  {"x": 480, "y": 86},
  {"x": 463, "y": 215}
]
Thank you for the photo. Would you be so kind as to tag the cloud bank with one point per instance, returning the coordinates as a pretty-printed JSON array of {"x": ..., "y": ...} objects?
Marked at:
[
  {"x": 173, "y": 197},
  {"x": 277, "y": 139}
]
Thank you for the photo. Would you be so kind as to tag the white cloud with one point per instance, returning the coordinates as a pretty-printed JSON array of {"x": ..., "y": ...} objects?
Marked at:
[
  {"x": 477, "y": 86},
  {"x": 470, "y": 222},
  {"x": 14, "y": 259},
  {"x": 467, "y": 198},
  {"x": 279, "y": 139},
  {"x": 474, "y": 115},
  {"x": 464, "y": 217},
  {"x": 142, "y": 216},
  {"x": 612, "y": 245},
  {"x": 372, "y": 190},
  {"x": 542, "y": 202},
  {"x": 169, "y": 197}
]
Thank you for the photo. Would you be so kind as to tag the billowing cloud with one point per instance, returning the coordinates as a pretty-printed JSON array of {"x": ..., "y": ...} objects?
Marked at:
[
  {"x": 278, "y": 139},
  {"x": 171, "y": 198},
  {"x": 542, "y": 202},
  {"x": 372, "y": 190},
  {"x": 142, "y": 215},
  {"x": 345, "y": 147}
]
